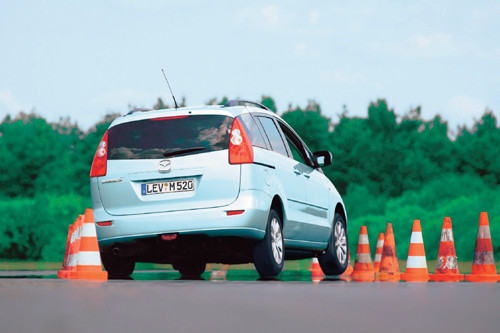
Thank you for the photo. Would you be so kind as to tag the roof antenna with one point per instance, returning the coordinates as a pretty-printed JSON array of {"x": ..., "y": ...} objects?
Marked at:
[{"x": 175, "y": 102}]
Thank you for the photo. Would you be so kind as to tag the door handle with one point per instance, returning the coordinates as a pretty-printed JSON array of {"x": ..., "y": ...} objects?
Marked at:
[
  {"x": 297, "y": 172},
  {"x": 307, "y": 176}
]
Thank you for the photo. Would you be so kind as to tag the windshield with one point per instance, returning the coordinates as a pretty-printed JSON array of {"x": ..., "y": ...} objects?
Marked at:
[{"x": 169, "y": 136}]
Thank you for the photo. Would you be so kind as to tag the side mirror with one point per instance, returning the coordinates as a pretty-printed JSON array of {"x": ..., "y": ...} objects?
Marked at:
[{"x": 322, "y": 158}]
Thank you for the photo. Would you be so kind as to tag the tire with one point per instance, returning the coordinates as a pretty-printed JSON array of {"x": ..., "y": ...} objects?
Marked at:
[
  {"x": 268, "y": 254},
  {"x": 118, "y": 267},
  {"x": 334, "y": 260},
  {"x": 191, "y": 270}
]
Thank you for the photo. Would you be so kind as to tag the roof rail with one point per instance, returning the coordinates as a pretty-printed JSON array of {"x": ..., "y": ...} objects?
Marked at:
[
  {"x": 139, "y": 110},
  {"x": 236, "y": 102}
]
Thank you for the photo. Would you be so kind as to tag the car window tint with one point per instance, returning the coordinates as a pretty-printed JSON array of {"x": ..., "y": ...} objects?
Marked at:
[
  {"x": 295, "y": 152},
  {"x": 300, "y": 153},
  {"x": 152, "y": 138},
  {"x": 273, "y": 135},
  {"x": 253, "y": 131}
]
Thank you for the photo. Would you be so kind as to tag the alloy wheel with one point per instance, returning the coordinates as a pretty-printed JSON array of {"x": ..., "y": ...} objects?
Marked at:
[
  {"x": 276, "y": 241},
  {"x": 340, "y": 242}
]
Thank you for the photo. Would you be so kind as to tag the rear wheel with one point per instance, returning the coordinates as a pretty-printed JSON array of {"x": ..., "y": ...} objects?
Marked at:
[
  {"x": 191, "y": 269},
  {"x": 268, "y": 254},
  {"x": 334, "y": 260},
  {"x": 118, "y": 267}
]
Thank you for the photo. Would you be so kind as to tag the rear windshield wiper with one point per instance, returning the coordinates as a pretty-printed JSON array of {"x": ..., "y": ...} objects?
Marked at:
[{"x": 174, "y": 152}]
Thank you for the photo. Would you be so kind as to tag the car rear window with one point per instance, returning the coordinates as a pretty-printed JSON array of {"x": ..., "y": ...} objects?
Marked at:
[{"x": 170, "y": 136}]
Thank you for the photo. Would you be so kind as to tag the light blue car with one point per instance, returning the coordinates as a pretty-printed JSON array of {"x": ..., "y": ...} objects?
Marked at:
[{"x": 225, "y": 184}]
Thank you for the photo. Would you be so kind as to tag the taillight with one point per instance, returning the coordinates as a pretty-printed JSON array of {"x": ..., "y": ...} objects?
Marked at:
[
  {"x": 99, "y": 165},
  {"x": 234, "y": 212},
  {"x": 240, "y": 147},
  {"x": 104, "y": 223}
]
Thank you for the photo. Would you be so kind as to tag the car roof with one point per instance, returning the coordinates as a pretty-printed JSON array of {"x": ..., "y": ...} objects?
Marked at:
[{"x": 231, "y": 111}]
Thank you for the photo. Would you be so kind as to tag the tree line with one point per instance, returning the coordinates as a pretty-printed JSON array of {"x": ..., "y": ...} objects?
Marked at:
[{"x": 388, "y": 167}]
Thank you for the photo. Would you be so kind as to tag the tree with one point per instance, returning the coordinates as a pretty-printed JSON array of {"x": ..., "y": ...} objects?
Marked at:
[
  {"x": 311, "y": 125},
  {"x": 268, "y": 102},
  {"x": 29, "y": 146},
  {"x": 160, "y": 105},
  {"x": 479, "y": 148}
]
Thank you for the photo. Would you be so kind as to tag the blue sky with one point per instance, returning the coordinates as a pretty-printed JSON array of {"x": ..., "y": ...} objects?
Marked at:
[{"x": 86, "y": 59}]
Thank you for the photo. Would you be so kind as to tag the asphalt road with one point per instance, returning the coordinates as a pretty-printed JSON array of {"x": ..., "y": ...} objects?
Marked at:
[{"x": 163, "y": 305}]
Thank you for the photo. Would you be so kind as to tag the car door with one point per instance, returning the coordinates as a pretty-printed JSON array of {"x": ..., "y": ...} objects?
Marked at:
[
  {"x": 316, "y": 185},
  {"x": 290, "y": 178}
]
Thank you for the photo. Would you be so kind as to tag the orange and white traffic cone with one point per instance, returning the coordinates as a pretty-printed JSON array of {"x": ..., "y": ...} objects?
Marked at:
[
  {"x": 363, "y": 268},
  {"x": 317, "y": 274},
  {"x": 219, "y": 274},
  {"x": 378, "y": 252},
  {"x": 74, "y": 245},
  {"x": 447, "y": 263},
  {"x": 68, "y": 243},
  {"x": 348, "y": 271},
  {"x": 86, "y": 262},
  {"x": 483, "y": 266},
  {"x": 389, "y": 265},
  {"x": 416, "y": 264}
]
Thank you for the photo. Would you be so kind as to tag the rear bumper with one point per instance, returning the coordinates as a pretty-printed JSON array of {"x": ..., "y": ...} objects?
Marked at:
[{"x": 211, "y": 222}]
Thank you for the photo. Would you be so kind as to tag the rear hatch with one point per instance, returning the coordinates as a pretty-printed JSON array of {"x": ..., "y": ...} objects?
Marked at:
[{"x": 170, "y": 163}]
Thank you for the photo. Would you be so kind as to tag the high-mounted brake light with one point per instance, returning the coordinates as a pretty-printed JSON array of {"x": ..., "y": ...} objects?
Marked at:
[
  {"x": 168, "y": 118},
  {"x": 99, "y": 165},
  {"x": 240, "y": 147}
]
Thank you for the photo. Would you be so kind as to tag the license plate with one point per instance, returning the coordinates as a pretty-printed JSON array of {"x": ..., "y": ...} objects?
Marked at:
[{"x": 168, "y": 187}]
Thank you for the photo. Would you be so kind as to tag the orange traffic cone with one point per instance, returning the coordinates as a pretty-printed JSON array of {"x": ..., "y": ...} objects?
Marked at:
[
  {"x": 447, "y": 263},
  {"x": 86, "y": 262},
  {"x": 416, "y": 264},
  {"x": 68, "y": 243},
  {"x": 348, "y": 271},
  {"x": 219, "y": 274},
  {"x": 378, "y": 252},
  {"x": 74, "y": 245},
  {"x": 483, "y": 266},
  {"x": 389, "y": 265},
  {"x": 317, "y": 274},
  {"x": 363, "y": 268}
]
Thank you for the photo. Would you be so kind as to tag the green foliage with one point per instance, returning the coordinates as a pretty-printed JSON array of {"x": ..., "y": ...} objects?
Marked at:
[
  {"x": 44, "y": 183},
  {"x": 310, "y": 124},
  {"x": 37, "y": 228},
  {"x": 461, "y": 197},
  {"x": 397, "y": 171},
  {"x": 479, "y": 150},
  {"x": 268, "y": 102},
  {"x": 160, "y": 105},
  {"x": 388, "y": 167}
]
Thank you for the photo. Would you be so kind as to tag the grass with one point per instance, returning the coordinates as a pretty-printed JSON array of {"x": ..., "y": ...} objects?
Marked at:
[{"x": 291, "y": 267}]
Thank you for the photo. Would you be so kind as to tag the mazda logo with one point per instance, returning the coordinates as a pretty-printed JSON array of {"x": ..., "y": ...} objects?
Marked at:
[{"x": 164, "y": 166}]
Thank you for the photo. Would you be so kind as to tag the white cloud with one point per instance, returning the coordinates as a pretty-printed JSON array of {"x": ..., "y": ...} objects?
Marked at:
[
  {"x": 272, "y": 15},
  {"x": 9, "y": 101},
  {"x": 299, "y": 47},
  {"x": 426, "y": 46},
  {"x": 436, "y": 40},
  {"x": 313, "y": 17},
  {"x": 283, "y": 20},
  {"x": 303, "y": 49},
  {"x": 340, "y": 77},
  {"x": 267, "y": 17}
]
